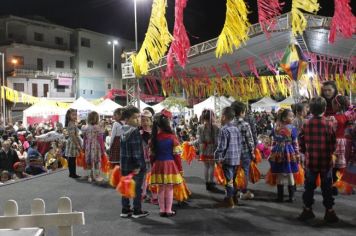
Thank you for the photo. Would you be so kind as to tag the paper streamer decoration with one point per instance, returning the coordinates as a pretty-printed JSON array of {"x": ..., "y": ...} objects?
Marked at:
[
  {"x": 343, "y": 20},
  {"x": 299, "y": 23},
  {"x": 235, "y": 29},
  {"x": 180, "y": 45},
  {"x": 156, "y": 41},
  {"x": 268, "y": 10}
]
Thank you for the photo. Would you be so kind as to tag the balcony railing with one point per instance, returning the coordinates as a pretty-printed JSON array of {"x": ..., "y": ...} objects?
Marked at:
[
  {"x": 44, "y": 44},
  {"x": 33, "y": 70}
]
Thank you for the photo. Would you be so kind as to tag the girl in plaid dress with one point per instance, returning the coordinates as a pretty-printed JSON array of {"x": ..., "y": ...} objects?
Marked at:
[
  {"x": 73, "y": 142},
  {"x": 115, "y": 138}
]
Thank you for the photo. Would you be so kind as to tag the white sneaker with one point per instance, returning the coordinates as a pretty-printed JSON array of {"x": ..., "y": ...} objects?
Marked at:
[
  {"x": 90, "y": 179},
  {"x": 247, "y": 196}
]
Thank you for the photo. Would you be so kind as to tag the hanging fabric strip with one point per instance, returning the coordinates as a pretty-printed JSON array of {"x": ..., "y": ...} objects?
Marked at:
[
  {"x": 343, "y": 20},
  {"x": 239, "y": 69},
  {"x": 299, "y": 23},
  {"x": 268, "y": 64},
  {"x": 156, "y": 41},
  {"x": 180, "y": 45},
  {"x": 252, "y": 66},
  {"x": 227, "y": 68},
  {"x": 268, "y": 10},
  {"x": 235, "y": 29}
]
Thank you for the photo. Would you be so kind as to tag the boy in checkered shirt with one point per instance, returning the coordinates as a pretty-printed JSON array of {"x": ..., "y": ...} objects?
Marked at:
[{"x": 317, "y": 141}]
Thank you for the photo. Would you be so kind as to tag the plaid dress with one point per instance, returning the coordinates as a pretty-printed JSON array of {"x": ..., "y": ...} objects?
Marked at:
[
  {"x": 115, "y": 144},
  {"x": 71, "y": 148}
]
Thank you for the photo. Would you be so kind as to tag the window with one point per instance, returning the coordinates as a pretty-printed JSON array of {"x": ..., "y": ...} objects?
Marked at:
[
  {"x": 90, "y": 64},
  {"x": 40, "y": 64},
  {"x": 72, "y": 62},
  {"x": 38, "y": 37},
  {"x": 84, "y": 91},
  {"x": 19, "y": 87},
  {"x": 59, "y": 64},
  {"x": 109, "y": 86},
  {"x": 34, "y": 90},
  {"x": 45, "y": 90},
  {"x": 59, "y": 88},
  {"x": 115, "y": 66},
  {"x": 19, "y": 60},
  {"x": 109, "y": 65},
  {"x": 59, "y": 40},
  {"x": 84, "y": 42},
  {"x": 91, "y": 91}
]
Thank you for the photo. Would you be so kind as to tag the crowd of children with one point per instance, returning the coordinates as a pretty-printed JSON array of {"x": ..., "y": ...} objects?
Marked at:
[{"x": 317, "y": 137}]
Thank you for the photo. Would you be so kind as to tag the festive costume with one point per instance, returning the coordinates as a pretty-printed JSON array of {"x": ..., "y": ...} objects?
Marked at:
[
  {"x": 341, "y": 120},
  {"x": 115, "y": 143},
  {"x": 349, "y": 175},
  {"x": 72, "y": 150}
]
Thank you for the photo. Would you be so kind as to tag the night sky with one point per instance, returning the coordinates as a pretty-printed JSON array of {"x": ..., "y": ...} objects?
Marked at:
[{"x": 204, "y": 19}]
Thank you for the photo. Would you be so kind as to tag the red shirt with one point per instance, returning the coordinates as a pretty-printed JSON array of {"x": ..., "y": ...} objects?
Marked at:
[
  {"x": 341, "y": 125},
  {"x": 317, "y": 141}
]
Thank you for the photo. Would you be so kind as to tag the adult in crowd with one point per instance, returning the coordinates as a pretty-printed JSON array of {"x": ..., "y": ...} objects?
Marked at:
[
  {"x": 8, "y": 157},
  {"x": 329, "y": 92}
]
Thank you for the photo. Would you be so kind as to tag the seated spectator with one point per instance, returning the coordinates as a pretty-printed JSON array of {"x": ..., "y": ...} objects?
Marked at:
[
  {"x": 35, "y": 161},
  {"x": 22, "y": 154},
  {"x": 8, "y": 157},
  {"x": 4, "y": 177},
  {"x": 19, "y": 168}
]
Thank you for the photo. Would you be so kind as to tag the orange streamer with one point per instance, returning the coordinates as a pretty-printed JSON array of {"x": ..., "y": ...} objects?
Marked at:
[
  {"x": 127, "y": 186},
  {"x": 115, "y": 176},
  {"x": 299, "y": 176},
  {"x": 219, "y": 174},
  {"x": 188, "y": 153},
  {"x": 255, "y": 174}
]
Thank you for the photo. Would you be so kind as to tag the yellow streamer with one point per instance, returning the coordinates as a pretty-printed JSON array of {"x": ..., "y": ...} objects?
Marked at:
[
  {"x": 299, "y": 23},
  {"x": 156, "y": 41},
  {"x": 235, "y": 29}
]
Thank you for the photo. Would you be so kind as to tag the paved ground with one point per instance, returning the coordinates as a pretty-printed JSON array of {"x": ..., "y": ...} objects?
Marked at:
[{"x": 102, "y": 207}]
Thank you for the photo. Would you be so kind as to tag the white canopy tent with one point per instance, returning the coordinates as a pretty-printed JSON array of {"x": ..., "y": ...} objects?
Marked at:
[
  {"x": 265, "y": 104},
  {"x": 42, "y": 111},
  {"x": 286, "y": 102},
  {"x": 210, "y": 104},
  {"x": 83, "y": 107},
  {"x": 158, "y": 107},
  {"x": 107, "y": 107}
]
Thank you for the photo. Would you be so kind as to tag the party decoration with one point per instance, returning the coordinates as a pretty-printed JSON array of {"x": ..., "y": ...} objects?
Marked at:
[
  {"x": 219, "y": 174},
  {"x": 271, "y": 178},
  {"x": 156, "y": 42},
  {"x": 299, "y": 176},
  {"x": 115, "y": 176},
  {"x": 188, "y": 153},
  {"x": 255, "y": 174},
  {"x": 258, "y": 155},
  {"x": 294, "y": 62},
  {"x": 126, "y": 187},
  {"x": 104, "y": 164},
  {"x": 180, "y": 46},
  {"x": 235, "y": 29},
  {"x": 343, "y": 20},
  {"x": 268, "y": 10},
  {"x": 80, "y": 160},
  {"x": 240, "y": 179},
  {"x": 299, "y": 23}
]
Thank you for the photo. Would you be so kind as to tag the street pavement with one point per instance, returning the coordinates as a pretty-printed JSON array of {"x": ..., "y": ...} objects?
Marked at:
[{"x": 201, "y": 216}]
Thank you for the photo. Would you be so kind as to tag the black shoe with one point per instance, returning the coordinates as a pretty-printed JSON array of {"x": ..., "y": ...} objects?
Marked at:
[
  {"x": 291, "y": 191},
  {"x": 163, "y": 214},
  {"x": 214, "y": 189},
  {"x": 139, "y": 214},
  {"x": 335, "y": 191},
  {"x": 331, "y": 217},
  {"x": 208, "y": 186},
  {"x": 75, "y": 176},
  {"x": 235, "y": 199},
  {"x": 306, "y": 215},
  {"x": 173, "y": 213},
  {"x": 280, "y": 194},
  {"x": 126, "y": 213}
]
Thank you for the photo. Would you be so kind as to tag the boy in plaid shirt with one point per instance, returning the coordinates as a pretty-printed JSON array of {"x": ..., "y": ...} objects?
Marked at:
[
  {"x": 317, "y": 141},
  {"x": 228, "y": 153}
]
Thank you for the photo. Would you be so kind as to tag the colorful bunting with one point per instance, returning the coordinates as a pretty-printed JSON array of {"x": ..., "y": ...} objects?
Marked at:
[
  {"x": 180, "y": 45},
  {"x": 343, "y": 20},
  {"x": 268, "y": 10},
  {"x": 156, "y": 41},
  {"x": 235, "y": 29},
  {"x": 299, "y": 23}
]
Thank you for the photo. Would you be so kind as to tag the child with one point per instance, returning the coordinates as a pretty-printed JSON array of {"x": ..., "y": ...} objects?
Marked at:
[
  {"x": 229, "y": 152},
  {"x": 132, "y": 160},
  {"x": 5, "y": 176},
  {"x": 115, "y": 137},
  {"x": 167, "y": 167},
  {"x": 317, "y": 142},
  {"x": 207, "y": 138},
  {"x": 73, "y": 142},
  {"x": 340, "y": 105},
  {"x": 35, "y": 161},
  {"x": 285, "y": 153},
  {"x": 145, "y": 131},
  {"x": 93, "y": 146},
  {"x": 248, "y": 145},
  {"x": 19, "y": 169}
]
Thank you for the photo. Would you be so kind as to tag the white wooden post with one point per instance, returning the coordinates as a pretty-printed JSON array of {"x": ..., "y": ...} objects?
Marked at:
[
  {"x": 65, "y": 206},
  {"x": 11, "y": 208}
]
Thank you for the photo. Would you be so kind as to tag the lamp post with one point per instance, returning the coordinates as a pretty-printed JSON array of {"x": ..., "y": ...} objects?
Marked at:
[
  {"x": 113, "y": 43},
  {"x": 136, "y": 49},
  {"x": 3, "y": 84}
]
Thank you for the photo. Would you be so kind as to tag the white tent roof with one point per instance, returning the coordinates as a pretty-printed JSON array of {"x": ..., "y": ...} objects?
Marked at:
[
  {"x": 287, "y": 102},
  {"x": 42, "y": 109},
  {"x": 107, "y": 107},
  {"x": 210, "y": 104},
  {"x": 265, "y": 104},
  {"x": 143, "y": 105},
  {"x": 81, "y": 104},
  {"x": 158, "y": 107}
]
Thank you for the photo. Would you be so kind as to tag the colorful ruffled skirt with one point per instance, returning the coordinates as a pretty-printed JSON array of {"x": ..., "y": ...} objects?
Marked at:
[
  {"x": 349, "y": 175},
  {"x": 340, "y": 161},
  {"x": 165, "y": 172},
  {"x": 283, "y": 159}
]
